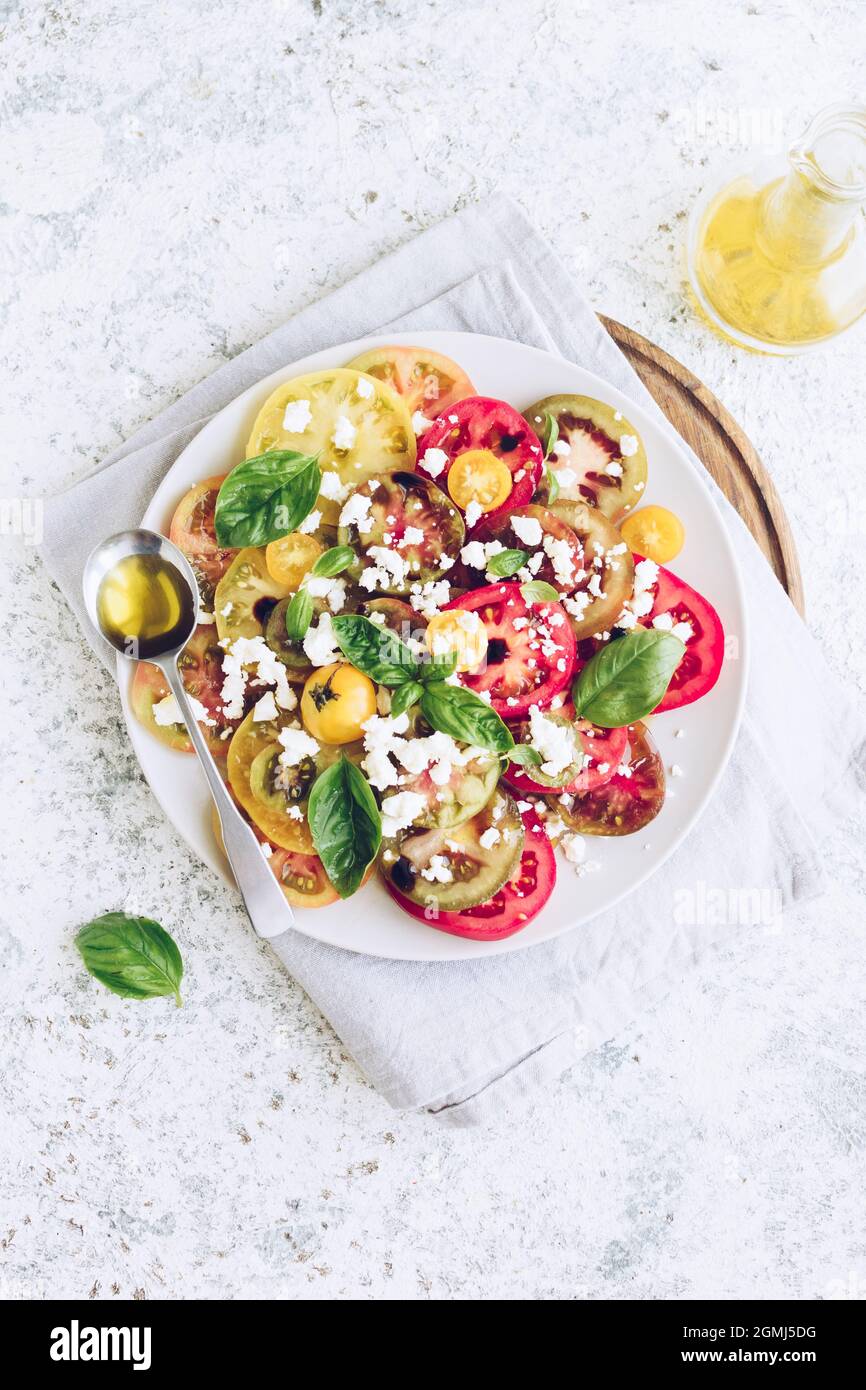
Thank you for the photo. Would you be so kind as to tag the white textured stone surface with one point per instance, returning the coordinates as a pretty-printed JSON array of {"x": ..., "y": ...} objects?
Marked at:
[{"x": 176, "y": 180}]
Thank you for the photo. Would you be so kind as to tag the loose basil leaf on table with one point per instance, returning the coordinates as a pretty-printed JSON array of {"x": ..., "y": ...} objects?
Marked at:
[
  {"x": 627, "y": 678},
  {"x": 538, "y": 591},
  {"x": 299, "y": 615},
  {"x": 377, "y": 651},
  {"x": 458, "y": 711},
  {"x": 345, "y": 824},
  {"x": 525, "y": 756},
  {"x": 405, "y": 696},
  {"x": 506, "y": 563},
  {"x": 333, "y": 562},
  {"x": 266, "y": 497},
  {"x": 131, "y": 956}
]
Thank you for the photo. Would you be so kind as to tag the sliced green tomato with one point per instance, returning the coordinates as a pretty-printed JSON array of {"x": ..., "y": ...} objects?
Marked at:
[
  {"x": 467, "y": 790},
  {"x": 246, "y": 596},
  {"x": 569, "y": 773},
  {"x": 357, "y": 426},
  {"x": 569, "y": 553},
  {"x": 399, "y": 617},
  {"x": 254, "y": 780},
  {"x": 426, "y": 381},
  {"x": 414, "y": 519},
  {"x": 291, "y": 653},
  {"x": 601, "y": 458},
  {"x": 589, "y": 613},
  {"x": 477, "y": 871},
  {"x": 200, "y": 665},
  {"x": 624, "y": 804}
]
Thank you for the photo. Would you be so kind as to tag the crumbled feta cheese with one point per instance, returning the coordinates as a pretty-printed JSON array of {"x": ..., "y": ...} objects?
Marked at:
[
  {"x": 205, "y": 617},
  {"x": 434, "y": 461},
  {"x": 356, "y": 512},
  {"x": 400, "y": 811},
  {"x": 320, "y": 644},
  {"x": 490, "y": 838},
  {"x": 266, "y": 849},
  {"x": 309, "y": 524},
  {"x": 413, "y": 535},
  {"x": 252, "y": 652},
  {"x": 574, "y": 847},
  {"x": 557, "y": 743},
  {"x": 331, "y": 488},
  {"x": 420, "y": 423},
  {"x": 438, "y": 870},
  {"x": 266, "y": 708},
  {"x": 663, "y": 622},
  {"x": 474, "y": 513},
  {"x": 296, "y": 416},
  {"x": 167, "y": 711},
  {"x": 683, "y": 630},
  {"x": 365, "y": 389},
  {"x": 344, "y": 433},
  {"x": 428, "y": 598},
  {"x": 676, "y": 770},
  {"x": 297, "y": 744},
  {"x": 388, "y": 569},
  {"x": 562, "y": 448},
  {"x": 628, "y": 445},
  {"x": 614, "y": 469},
  {"x": 561, "y": 556},
  {"x": 527, "y": 529}
]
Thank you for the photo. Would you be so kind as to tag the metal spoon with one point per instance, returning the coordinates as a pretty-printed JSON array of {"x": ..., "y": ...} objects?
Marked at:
[{"x": 263, "y": 898}]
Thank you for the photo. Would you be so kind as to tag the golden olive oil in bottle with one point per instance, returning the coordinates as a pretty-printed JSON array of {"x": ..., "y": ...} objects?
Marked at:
[{"x": 144, "y": 605}]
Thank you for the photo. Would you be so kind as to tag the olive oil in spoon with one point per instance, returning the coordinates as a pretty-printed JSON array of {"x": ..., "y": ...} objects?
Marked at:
[{"x": 144, "y": 605}]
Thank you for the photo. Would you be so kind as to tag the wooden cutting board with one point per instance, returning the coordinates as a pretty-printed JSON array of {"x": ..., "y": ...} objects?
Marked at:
[{"x": 722, "y": 447}]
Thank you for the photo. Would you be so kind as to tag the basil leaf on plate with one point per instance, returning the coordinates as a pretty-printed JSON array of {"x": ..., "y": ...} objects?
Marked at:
[
  {"x": 538, "y": 591},
  {"x": 551, "y": 434},
  {"x": 375, "y": 650},
  {"x": 455, "y": 710},
  {"x": 299, "y": 615},
  {"x": 333, "y": 562},
  {"x": 525, "y": 756},
  {"x": 345, "y": 824},
  {"x": 627, "y": 678},
  {"x": 266, "y": 497},
  {"x": 405, "y": 696},
  {"x": 552, "y": 484},
  {"x": 506, "y": 563},
  {"x": 131, "y": 956},
  {"x": 438, "y": 668}
]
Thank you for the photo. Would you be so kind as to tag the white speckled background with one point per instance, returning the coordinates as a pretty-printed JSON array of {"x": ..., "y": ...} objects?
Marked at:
[{"x": 176, "y": 180}]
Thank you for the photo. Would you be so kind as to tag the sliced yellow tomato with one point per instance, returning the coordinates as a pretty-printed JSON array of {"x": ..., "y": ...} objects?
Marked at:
[
  {"x": 355, "y": 424},
  {"x": 302, "y": 877},
  {"x": 655, "y": 533},
  {"x": 460, "y": 632},
  {"x": 282, "y": 829},
  {"x": 479, "y": 476},
  {"x": 427, "y": 381},
  {"x": 337, "y": 699},
  {"x": 290, "y": 559}
]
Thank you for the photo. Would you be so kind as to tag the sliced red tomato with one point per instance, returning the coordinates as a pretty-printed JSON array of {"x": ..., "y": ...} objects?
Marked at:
[
  {"x": 605, "y": 749},
  {"x": 627, "y": 801},
  {"x": 201, "y": 667},
  {"x": 701, "y": 665},
  {"x": 192, "y": 531},
  {"x": 563, "y": 567},
  {"x": 426, "y": 381},
  {"x": 530, "y": 649},
  {"x": 480, "y": 422},
  {"x": 509, "y": 910}
]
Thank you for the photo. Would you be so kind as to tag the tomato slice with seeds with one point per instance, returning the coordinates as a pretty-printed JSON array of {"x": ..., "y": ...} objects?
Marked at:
[
  {"x": 192, "y": 531},
  {"x": 605, "y": 749},
  {"x": 427, "y": 381},
  {"x": 510, "y": 909},
  {"x": 598, "y": 458},
  {"x": 479, "y": 422},
  {"x": 200, "y": 665},
  {"x": 701, "y": 665},
  {"x": 412, "y": 517},
  {"x": 627, "y": 801},
  {"x": 564, "y": 567},
  {"x": 530, "y": 649},
  {"x": 302, "y": 878}
]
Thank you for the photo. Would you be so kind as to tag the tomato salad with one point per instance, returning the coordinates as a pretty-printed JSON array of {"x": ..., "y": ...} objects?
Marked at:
[{"x": 433, "y": 630}]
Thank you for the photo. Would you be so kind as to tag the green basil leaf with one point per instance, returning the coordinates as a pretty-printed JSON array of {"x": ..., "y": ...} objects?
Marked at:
[
  {"x": 438, "y": 668},
  {"x": 266, "y": 497},
  {"x": 506, "y": 563},
  {"x": 299, "y": 615},
  {"x": 375, "y": 650},
  {"x": 552, "y": 484},
  {"x": 525, "y": 756},
  {"x": 627, "y": 678},
  {"x": 333, "y": 562},
  {"x": 405, "y": 696},
  {"x": 537, "y": 591},
  {"x": 551, "y": 434},
  {"x": 455, "y": 710},
  {"x": 345, "y": 824},
  {"x": 131, "y": 956}
]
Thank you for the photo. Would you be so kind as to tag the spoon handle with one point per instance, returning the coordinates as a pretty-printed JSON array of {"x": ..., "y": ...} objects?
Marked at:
[{"x": 263, "y": 898}]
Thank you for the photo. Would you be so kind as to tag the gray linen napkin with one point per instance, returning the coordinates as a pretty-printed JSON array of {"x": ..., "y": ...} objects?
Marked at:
[{"x": 460, "y": 1039}]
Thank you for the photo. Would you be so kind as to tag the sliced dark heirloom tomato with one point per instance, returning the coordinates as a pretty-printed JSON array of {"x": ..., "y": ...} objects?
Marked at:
[
  {"x": 604, "y": 748},
  {"x": 564, "y": 575},
  {"x": 605, "y": 453},
  {"x": 399, "y": 617},
  {"x": 425, "y": 381},
  {"x": 511, "y": 908},
  {"x": 192, "y": 531},
  {"x": 530, "y": 649},
  {"x": 401, "y": 503},
  {"x": 480, "y": 422},
  {"x": 475, "y": 870},
  {"x": 701, "y": 665},
  {"x": 623, "y": 804},
  {"x": 200, "y": 665},
  {"x": 590, "y": 613},
  {"x": 291, "y": 652}
]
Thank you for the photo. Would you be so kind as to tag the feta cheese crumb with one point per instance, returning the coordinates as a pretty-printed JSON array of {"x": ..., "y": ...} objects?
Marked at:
[
  {"x": 628, "y": 445},
  {"x": 400, "y": 811},
  {"x": 474, "y": 513},
  {"x": 266, "y": 708},
  {"x": 320, "y": 643},
  {"x": 344, "y": 433},
  {"x": 297, "y": 744},
  {"x": 420, "y": 423},
  {"x": 365, "y": 389},
  {"x": 357, "y": 513},
  {"x": 490, "y": 838},
  {"x": 331, "y": 488},
  {"x": 309, "y": 524},
  {"x": 167, "y": 711},
  {"x": 434, "y": 461},
  {"x": 296, "y": 416},
  {"x": 527, "y": 529}
]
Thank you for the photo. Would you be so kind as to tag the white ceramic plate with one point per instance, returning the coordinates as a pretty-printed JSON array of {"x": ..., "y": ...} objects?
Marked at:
[{"x": 371, "y": 922}]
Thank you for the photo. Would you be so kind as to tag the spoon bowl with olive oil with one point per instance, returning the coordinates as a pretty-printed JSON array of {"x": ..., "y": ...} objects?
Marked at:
[{"x": 141, "y": 595}]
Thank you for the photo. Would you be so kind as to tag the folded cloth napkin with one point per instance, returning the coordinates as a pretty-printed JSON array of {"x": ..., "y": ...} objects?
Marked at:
[{"x": 460, "y": 1039}]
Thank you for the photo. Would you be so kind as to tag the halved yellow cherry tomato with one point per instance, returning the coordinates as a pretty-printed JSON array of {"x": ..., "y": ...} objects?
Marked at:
[
  {"x": 655, "y": 533},
  {"x": 479, "y": 476},
  {"x": 290, "y": 559},
  {"x": 460, "y": 632},
  {"x": 336, "y": 701}
]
